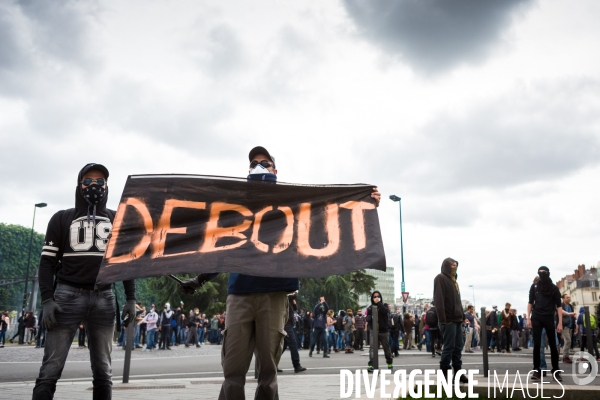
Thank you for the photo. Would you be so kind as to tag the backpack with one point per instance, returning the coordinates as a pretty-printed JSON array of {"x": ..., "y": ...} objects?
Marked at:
[
  {"x": 431, "y": 318},
  {"x": 592, "y": 322}
]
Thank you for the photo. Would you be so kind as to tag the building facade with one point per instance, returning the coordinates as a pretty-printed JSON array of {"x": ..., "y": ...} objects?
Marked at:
[
  {"x": 384, "y": 283},
  {"x": 582, "y": 286}
]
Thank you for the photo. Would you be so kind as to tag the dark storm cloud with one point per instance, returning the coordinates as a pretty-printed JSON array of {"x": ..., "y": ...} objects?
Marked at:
[
  {"x": 540, "y": 133},
  {"x": 434, "y": 35},
  {"x": 38, "y": 39},
  {"x": 60, "y": 28}
]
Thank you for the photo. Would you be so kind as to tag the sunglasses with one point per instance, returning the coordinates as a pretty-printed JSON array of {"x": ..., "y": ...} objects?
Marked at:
[
  {"x": 89, "y": 181},
  {"x": 376, "y": 297},
  {"x": 264, "y": 163}
]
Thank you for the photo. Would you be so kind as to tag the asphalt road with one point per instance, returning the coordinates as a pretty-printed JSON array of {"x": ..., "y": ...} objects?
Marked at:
[{"x": 22, "y": 363}]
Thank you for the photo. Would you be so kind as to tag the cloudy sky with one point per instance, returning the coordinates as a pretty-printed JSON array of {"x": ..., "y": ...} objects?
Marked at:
[{"x": 484, "y": 116}]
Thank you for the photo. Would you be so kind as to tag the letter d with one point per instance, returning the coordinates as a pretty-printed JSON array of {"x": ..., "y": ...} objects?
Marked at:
[{"x": 346, "y": 377}]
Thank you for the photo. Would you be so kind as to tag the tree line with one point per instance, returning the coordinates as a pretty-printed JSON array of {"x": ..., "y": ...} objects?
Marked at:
[{"x": 340, "y": 291}]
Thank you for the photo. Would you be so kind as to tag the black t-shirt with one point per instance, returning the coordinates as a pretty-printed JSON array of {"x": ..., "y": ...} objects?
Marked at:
[{"x": 544, "y": 305}]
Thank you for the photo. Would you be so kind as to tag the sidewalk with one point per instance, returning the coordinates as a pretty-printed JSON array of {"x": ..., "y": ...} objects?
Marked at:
[{"x": 293, "y": 387}]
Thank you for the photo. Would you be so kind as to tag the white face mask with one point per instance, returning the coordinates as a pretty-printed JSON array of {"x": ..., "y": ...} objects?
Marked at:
[
  {"x": 262, "y": 174},
  {"x": 259, "y": 169}
]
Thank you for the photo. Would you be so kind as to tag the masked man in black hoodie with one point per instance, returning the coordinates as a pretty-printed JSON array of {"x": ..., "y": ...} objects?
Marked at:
[
  {"x": 446, "y": 295},
  {"x": 544, "y": 303},
  {"x": 383, "y": 320},
  {"x": 73, "y": 250}
]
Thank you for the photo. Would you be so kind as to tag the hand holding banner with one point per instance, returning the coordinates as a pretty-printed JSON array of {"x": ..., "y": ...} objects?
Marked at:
[{"x": 170, "y": 224}]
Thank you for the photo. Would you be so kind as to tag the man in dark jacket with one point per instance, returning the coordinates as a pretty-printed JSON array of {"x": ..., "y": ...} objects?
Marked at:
[
  {"x": 544, "y": 302},
  {"x": 446, "y": 295},
  {"x": 383, "y": 318},
  {"x": 290, "y": 340},
  {"x": 307, "y": 323},
  {"x": 73, "y": 250},
  {"x": 359, "y": 333},
  {"x": 192, "y": 324},
  {"x": 319, "y": 326}
]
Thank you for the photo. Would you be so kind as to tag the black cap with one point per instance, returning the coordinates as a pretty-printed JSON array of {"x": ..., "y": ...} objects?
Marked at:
[
  {"x": 98, "y": 167},
  {"x": 260, "y": 150}
]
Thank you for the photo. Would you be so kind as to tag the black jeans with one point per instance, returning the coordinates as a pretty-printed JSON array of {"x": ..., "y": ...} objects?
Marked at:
[
  {"x": 395, "y": 341},
  {"x": 165, "y": 336},
  {"x": 306, "y": 343},
  {"x": 81, "y": 337},
  {"x": 318, "y": 338},
  {"x": 291, "y": 342},
  {"x": 538, "y": 324},
  {"x": 359, "y": 337},
  {"x": 505, "y": 341}
]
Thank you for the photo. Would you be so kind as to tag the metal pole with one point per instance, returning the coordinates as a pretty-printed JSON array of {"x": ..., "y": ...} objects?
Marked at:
[
  {"x": 402, "y": 253},
  {"x": 130, "y": 333},
  {"x": 25, "y": 298},
  {"x": 482, "y": 324},
  {"x": 588, "y": 331},
  {"x": 35, "y": 290},
  {"x": 374, "y": 350}
]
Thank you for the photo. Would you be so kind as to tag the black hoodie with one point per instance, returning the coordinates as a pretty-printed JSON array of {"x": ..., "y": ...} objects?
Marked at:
[
  {"x": 383, "y": 313},
  {"x": 74, "y": 248},
  {"x": 446, "y": 297}
]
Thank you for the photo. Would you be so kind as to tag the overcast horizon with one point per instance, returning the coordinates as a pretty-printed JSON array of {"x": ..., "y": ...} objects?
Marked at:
[{"x": 483, "y": 116}]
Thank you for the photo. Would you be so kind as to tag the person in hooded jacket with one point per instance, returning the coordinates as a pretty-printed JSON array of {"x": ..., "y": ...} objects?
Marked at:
[
  {"x": 544, "y": 303},
  {"x": 383, "y": 318},
  {"x": 72, "y": 252},
  {"x": 319, "y": 333},
  {"x": 446, "y": 295},
  {"x": 166, "y": 327}
]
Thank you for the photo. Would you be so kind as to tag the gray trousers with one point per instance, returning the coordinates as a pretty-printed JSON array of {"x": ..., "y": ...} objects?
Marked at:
[
  {"x": 254, "y": 324},
  {"x": 192, "y": 336},
  {"x": 97, "y": 311},
  {"x": 566, "y": 334}
]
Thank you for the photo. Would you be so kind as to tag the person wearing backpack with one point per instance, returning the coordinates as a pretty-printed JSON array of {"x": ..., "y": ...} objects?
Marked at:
[
  {"x": 544, "y": 303},
  {"x": 348, "y": 330},
  {"x": 585, "y": 330},
  {"x": 434, "y": 332},
  {"x": 76, "y": 239}
]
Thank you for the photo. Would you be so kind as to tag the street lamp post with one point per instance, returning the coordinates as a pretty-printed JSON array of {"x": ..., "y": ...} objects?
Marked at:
[
  {"x": 25, "y": 297},
  {"x": 398, "y": 199},
  {"x": 473, "y": 287}
]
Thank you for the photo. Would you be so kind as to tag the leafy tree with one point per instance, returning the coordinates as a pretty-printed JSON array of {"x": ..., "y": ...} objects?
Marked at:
[
  {"x": 340, "y": 291},
  {"x": 210, "y": 299},
  {"x": 14, "y": 255}
]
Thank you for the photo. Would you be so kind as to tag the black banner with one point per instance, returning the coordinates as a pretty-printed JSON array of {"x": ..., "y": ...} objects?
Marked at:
[{"x": 173, "y": 224}]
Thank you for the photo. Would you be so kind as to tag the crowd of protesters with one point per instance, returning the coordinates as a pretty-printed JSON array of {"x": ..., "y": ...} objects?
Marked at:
[
  {"x": 160, "y": 329},
  {"x": 344, "y": 331}
]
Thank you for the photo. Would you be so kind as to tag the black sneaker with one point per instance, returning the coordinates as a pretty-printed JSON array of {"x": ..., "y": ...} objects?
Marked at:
[
  {"x": 299, "y": 369},
  {"x": 279, "y": 370},
  {"x": 557, "y": 376},
  {"x": 536, "y": 376}
]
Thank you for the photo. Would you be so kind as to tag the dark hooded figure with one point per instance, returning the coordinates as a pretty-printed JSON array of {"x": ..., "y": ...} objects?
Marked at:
[
  {"x": 544, "y": 303},
  {"x": 73, "y": 250},
  {"x": 446, "y": 295},
  {"x": 383, "y": 318}
]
